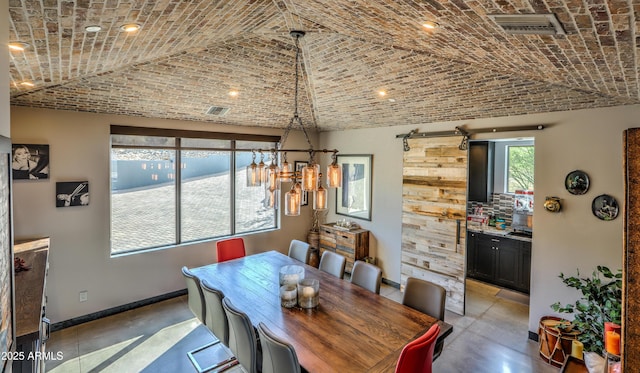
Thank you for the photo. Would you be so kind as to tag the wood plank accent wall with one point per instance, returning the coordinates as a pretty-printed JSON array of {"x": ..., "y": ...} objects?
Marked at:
[{"x": 434, "y": 198}]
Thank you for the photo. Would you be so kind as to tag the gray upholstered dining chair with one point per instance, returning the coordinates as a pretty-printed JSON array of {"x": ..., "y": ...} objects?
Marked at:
[
  {"x": 216, "y": 318},
  {"x": 300, "y": 250},
  {"x": 366, "y": 275},
  {"x": 242, "y": 337},
  {"x": 333, "y": 264},
  {"x": 194, "y": 294},
  {"x": 278, "y": 355},
  {"x": 428, "y": 298}
]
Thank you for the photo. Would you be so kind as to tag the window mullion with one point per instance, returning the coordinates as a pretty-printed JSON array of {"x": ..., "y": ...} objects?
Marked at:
[
  {"x": 232, "y": 187},
  {"x": 178, "y": 183}
]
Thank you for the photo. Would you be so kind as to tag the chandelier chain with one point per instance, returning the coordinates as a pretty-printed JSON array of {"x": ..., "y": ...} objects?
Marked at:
[{"x": 296, "y": 116}]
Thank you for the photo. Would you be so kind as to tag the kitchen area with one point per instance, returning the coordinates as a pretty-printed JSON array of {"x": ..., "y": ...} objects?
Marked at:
[{"x": 500, "y": 213}]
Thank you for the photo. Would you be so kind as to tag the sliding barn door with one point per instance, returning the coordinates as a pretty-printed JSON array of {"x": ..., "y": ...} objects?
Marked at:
[{"x": 434, "y": 191}]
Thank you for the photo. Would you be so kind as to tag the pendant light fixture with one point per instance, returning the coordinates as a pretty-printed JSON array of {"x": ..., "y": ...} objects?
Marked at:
[
  {"x": 253, "y": 174},
  {"x": 334, "y": 173},
  {"x": 309, "y": 178}
]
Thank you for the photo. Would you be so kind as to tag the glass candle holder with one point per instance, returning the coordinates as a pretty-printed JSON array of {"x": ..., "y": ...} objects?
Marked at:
[
  {"x": 288, "y": 296},
  {"x": 291, "y": 274},
  {"x": 308, "y": 293}
]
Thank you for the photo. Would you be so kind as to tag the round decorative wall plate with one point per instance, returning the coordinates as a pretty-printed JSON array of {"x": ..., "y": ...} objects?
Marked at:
[
  {"x": 605, "y": 207},
  {"x": 577, "y": 182}
]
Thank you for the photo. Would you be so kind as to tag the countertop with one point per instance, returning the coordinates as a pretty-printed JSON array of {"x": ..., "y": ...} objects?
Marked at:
[
  {"x": 29, "y": 285},
  {"x": 496, "y": 232}
]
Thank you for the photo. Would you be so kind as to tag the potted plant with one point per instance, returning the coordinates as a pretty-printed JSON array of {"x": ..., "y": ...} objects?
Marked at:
[{"x": 601, "y": 302}]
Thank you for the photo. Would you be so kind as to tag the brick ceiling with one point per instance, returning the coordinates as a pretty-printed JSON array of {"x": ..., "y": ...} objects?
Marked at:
[{"x": 188, "y": 55}]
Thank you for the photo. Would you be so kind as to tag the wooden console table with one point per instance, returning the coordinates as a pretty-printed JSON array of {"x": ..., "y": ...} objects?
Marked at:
[
  {"x": 353, "y": 244},
  {"x": 32, "y": 328}
]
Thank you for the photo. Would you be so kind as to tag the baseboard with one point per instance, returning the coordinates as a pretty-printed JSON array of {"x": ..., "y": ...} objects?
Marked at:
[
  {"x": 115, "y": 310},
  {"x": 391, "y": 283},
  {"x": 534, "y": 336}
]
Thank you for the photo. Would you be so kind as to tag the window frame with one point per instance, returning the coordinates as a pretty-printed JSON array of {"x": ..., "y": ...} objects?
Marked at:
[
  {"x": 508, "y": 161},
  {"x": 178, "y": 135}
]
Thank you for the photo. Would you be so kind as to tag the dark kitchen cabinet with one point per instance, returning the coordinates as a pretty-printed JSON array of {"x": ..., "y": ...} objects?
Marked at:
[
  {"x": 480, "y": 170},
  {"x": 499, "y": 260}
]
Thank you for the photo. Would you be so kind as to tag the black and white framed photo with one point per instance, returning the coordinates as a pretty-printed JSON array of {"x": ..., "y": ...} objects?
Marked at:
[
  {"x": 30, "y": 161},
  {"x": 72, "y": 193},
  {"x": 298, "y": 169},
  {"x": 354, "y": 198}
]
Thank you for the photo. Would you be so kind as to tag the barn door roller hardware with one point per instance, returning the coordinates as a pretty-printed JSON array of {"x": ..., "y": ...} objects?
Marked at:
[{"x": 460, "y": 131}]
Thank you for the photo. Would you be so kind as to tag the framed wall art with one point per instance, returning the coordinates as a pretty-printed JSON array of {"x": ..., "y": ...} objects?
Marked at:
[
  {"x": 30, "y": 161},
  {"x": 577, "y": 182},
  {"x": 605, "y": 207},
  {"x": 72, "y": 193},
  {"x": 298, "y": 165},
  {"x": 354, "y": 198}
]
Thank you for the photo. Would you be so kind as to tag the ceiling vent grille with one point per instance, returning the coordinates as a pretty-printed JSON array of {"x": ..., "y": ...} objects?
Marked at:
[
  {"x": 540, "y": 24},
  {"x": 217, "y": 111}
]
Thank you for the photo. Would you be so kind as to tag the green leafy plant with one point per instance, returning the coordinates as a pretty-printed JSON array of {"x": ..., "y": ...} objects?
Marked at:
[{"x": 601, "y": 302}]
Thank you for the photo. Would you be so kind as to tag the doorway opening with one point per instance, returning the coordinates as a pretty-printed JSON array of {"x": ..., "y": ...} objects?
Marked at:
[{"x": 499, "y": 225}]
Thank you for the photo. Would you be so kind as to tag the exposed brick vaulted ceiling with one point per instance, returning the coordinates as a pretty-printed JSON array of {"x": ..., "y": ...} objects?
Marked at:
[{"x": 189, "y": 54}]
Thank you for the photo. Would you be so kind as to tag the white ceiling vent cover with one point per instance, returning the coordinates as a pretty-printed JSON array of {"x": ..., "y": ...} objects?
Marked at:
[
  {"x": 217, "y": 111},
  {"x": 541, "y": 24}
]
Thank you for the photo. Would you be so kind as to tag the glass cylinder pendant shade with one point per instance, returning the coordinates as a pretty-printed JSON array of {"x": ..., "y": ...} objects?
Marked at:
[
  {"x": 253, "y": 175},
  {"x": 272, "y": 177},
  {"x": 271, "y": 198},
  {"x": 286, "y": 173},
  {"x": 262, "y": 170},
  {"x": 310, "y": 174},
  {"x": 320, "y": 199},
  {"x": 298, "y": 189},
  {"x": 292, "y": 203},
  {"x": 334, "y": 175}
]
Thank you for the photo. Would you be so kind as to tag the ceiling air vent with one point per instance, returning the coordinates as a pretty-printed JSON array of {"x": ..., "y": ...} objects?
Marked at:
[
  {"x": 540, "y": 24},
  {"x": 218, "y": 111}
]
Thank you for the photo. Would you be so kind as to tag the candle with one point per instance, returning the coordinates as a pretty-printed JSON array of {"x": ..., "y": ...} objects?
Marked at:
[
  {"x": 290, "y": 279},
  {"x": 576, "y": 349},
  {"x": 291, "y": 274},
  {"x": 612, "y": 341},
  {"x": 288, "y": 296},
  {"x": 307, "y": 292}
]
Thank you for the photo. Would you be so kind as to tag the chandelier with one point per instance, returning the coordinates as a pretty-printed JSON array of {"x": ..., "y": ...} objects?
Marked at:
[{"x": 308, "y": 179}]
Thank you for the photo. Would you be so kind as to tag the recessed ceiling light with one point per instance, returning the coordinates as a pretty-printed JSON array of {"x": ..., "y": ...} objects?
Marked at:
[
  {"x": 130, "y": 27},
  {"x": 382, "y": 93},
  {"x": 430, "y": 25},
  {"x": 93, "y": 28},
  {"x": 234, "y": 93},
  {"x": 392, "y": 100},
  {"x": 18, "y": 46}
]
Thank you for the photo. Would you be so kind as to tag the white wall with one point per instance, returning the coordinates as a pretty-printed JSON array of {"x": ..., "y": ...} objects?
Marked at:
[
  {"x": 590, "y": 140},
  {"x": 79, "y": 254}
]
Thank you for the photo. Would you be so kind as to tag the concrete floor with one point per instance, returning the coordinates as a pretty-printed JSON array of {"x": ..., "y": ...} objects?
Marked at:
[{"x": 492, "y": 337}]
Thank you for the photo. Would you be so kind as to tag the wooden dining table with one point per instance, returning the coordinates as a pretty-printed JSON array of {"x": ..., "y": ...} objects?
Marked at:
[{"x": 351, "y": 330}]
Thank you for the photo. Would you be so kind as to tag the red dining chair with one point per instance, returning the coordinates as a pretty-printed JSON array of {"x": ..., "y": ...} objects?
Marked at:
[
  {"x": 230, "y": 249},
  {"x": 417, "y": 355}
]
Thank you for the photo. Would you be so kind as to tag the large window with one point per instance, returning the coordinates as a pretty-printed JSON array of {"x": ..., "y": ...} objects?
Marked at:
[
  {"x": 173, "y": 187},
  {"x": 520, "y": 167}
]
